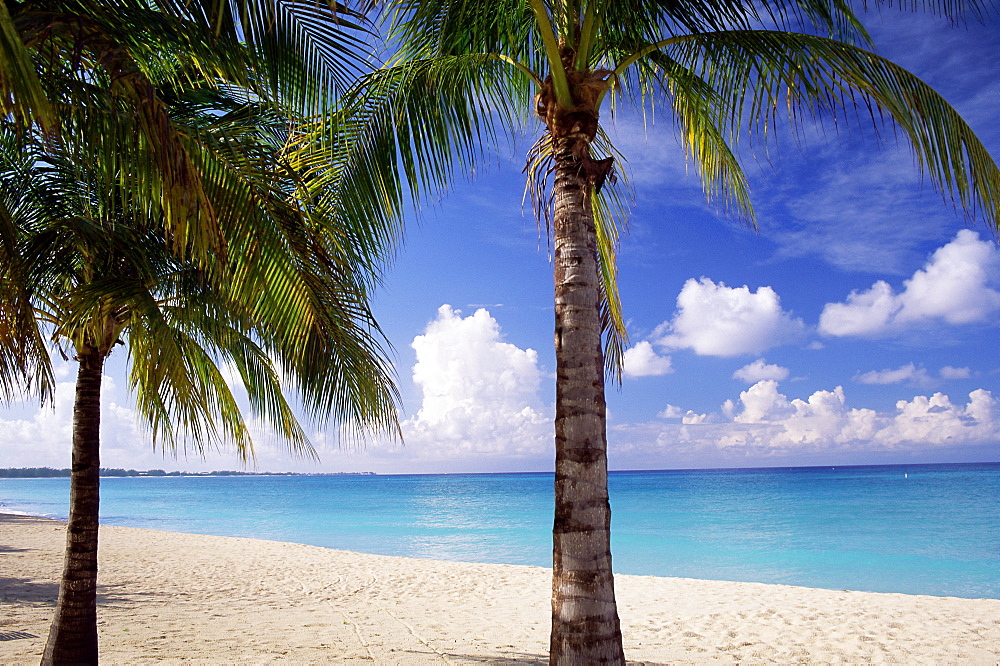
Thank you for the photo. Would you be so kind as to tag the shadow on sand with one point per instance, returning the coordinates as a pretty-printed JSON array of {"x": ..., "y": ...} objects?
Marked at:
[
  {"x": 25, "y": 591},
  {"x": 22, "y": 590}
]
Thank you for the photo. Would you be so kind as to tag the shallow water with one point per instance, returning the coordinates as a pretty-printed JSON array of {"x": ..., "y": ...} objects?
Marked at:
[{"x": 919, "y": 529}]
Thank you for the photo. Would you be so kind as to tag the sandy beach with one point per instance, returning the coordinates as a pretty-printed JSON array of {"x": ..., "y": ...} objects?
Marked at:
[{"x": 204, "y": 599}]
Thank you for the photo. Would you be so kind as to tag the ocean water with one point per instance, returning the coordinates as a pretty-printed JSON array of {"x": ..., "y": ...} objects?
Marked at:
[{"x": 918, "y": 529}]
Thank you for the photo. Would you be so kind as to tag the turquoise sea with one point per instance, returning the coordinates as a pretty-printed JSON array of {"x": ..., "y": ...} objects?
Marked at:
[{"x": 919, "y": 529}]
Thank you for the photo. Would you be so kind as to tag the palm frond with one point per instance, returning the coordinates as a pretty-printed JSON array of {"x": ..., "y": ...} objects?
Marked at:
[
  {"x": 21, "y": 93},
  {"x": 301, "y": 272},
  {"x": 309, "y": 50},
  {"x": 769, "y": 76},
  {"x": 428, "y": 29},
  {"x": 300, "y": 268},
  {"x": 417, "y": 123},
  {"x": 180, "y": 391},
  {"x": 606, "y": 224},
  {"x": 701, "y": 117},
  {"x": 287, "y": 308},
  {"x": 25, "y": 367}
]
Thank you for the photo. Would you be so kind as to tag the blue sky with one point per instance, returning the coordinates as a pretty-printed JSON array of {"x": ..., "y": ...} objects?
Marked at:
[{"x": 857, "y": 325}]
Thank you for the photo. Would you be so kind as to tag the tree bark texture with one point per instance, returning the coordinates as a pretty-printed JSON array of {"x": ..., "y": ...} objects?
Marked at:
[
  {"x": 585, "y": 626},
  {"x": 73, "y": 634}
]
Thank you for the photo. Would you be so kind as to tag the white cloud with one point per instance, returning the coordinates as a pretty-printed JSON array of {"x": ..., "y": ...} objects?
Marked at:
[
  {"x": 643, "y": 361},
  {"x": 954, "y": 284},
  {"x": 43, "y": 435},
  {"x": 762, "y": 402},
  {"x": 479, "y": 394},
  {"x": 716, "y": 320},
  {"x": 480, "y": 410},
  {"x": 761, "y": 369},
  {"x": 671, "y": 412},
  {"x": 948, "y": 372},
  {"x": 687, "y": 417},
  {"x": 908, "y": 373},
  {"x": 819, "y": 420},
  {"x": 935, "y": 420},
  {"x": 913, "y": 375},
  {"x": 764, "y": 422},
  {"x": 954, "y": 287},
  {"x": 865, "y": 313},
  {"x": 694, "y": 418},
  {"x": 729, "y": 408}
]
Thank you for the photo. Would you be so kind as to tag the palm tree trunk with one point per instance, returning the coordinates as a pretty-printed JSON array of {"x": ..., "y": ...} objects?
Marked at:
[
  {"x": 585, "y": 627},
  {"x": 73, "y": 634}
]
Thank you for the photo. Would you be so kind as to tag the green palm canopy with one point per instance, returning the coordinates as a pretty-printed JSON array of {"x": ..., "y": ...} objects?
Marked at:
[{"x": 296, "y": 53}]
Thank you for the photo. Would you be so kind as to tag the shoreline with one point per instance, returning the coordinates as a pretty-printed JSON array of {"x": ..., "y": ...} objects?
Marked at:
[{"x": 166, "y": 596}]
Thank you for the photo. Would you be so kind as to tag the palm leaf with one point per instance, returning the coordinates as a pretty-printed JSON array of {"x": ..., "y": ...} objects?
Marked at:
[
  {"x": 21, "y": 93},
  {"x": 766, "y": 73},
  {"x": 390, "y": 130}
]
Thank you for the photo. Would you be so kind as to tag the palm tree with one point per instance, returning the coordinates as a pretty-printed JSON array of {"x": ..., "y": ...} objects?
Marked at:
[
  {"x": 281, "y": 294},
  {"x": 461, "y": 73},
  {"x": 127, "y": 90}
]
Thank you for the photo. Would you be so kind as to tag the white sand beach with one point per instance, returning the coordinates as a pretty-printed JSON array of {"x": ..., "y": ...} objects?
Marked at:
[{"x": 167, "y": 597}]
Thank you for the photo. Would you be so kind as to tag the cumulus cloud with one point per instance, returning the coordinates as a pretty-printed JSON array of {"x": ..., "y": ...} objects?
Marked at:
[
  {"x": 643, "y": 361},
  {"x": 759, "y": 370},
  {"x": 693, "y": 418},
  {"x": 936, "y": 420},
  {"x": 953, "y": 287},
  {"x": 480, "y": 406},
  {"x": 820, "y": 420},
  {"x": 687, "y": 417},
  {"x": 765, "y": 422},
  {"x": 954, "y": 284},
  {"x": 479, "y": 393},
  {"x": 716, "y": 320},
  {"x": 824, "y": 419},
  {"x": 762, "y": 402},
  {"x": 671, "y": 412}
]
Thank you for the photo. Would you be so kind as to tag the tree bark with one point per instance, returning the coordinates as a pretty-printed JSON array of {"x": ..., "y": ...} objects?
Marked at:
[
  {"x": 585, "y": 626},
  {"x": 73, "y": 634}
]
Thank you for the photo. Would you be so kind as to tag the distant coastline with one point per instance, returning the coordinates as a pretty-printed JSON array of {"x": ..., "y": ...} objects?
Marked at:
[{"x": 51, "y": 473}]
